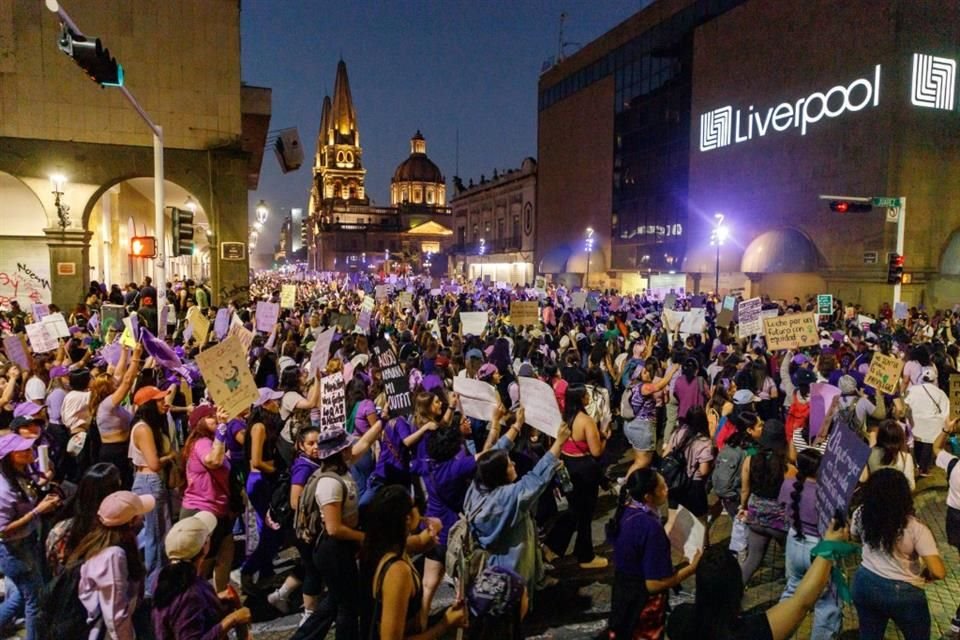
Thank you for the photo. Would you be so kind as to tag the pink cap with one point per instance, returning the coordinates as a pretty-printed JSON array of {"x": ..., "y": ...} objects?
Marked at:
[{"x": 120, "y": 507}]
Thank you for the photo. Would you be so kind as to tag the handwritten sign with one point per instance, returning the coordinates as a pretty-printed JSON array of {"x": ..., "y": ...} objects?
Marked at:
[
  {"x": 321, "y": 351},
  {"x": 523, "y": 314},
  {"x": 693, "y": 321},
  {"x": 473, "y": 322},
  {"x": 288, "y": 296},
  {"x": 396, "y": 384},
  {"x": 406, "y": 300},
  {"x": 201, "y": 327},
  {"x": 954, "y": 396},
  {"x": 540, "y": 406},
  {"x": 478, "y": 399},
  {"x": 839, "y": 473},
  {"x": 17, "y": 351},
  {"x": 884, "y": 373},
  {"x": 791, "y": 331},
  {"x": 57, "y": 324},
  {"x": 750, "y": 319},
  {"x": 825, "y": 304},
  {"x": 333, "y": 401},
  {"x": 42, "y": 338},
  {"x": 229, "y": 381},
  {"x": 267, "y": 314},
  {"x": 244, "y": 336}
]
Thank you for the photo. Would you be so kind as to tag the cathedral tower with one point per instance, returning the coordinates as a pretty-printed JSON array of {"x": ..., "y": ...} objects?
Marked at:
[{"x": 338, "y": 173}]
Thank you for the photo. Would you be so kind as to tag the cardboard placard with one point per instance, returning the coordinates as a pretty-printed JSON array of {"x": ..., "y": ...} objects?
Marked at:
[
  {"x": 825, "y": 304},
  {"x": 524, "y": 313},
  {"x": 884, "y": 373},
  {"x": 321, "y": 351},
  {"x": 221, "y": 323},
  {"x": 478, "y": 399},
  {"x": 473, "y": 322},
  {"x": 840, "y": 470},
  {"x": 954, "y": 396},
  {"x": 750, "y": 319},
  {"x": 57, "y": 324},
  {"x": 229, "y": 381},
  {"x": 406, "y": 300},
  {"x": 900, "y": 311},
  {"x": 201, "y": 327},
  {"x": 382, "y": 293},
  {"x": 267, "y": 314},
  {"x": 821, "y": 397},
  {"x": 396, "y": 384},
  {"x": 111, "y": 314},
  {"x": 17, "y": 351},
  {"x": 288, "y": 296},
  {"x": 540, "y": 406},
  {"x": 693, "y": 321},
  {"x": 333, "y": 401},
  {"x": 791, "y": 331}
]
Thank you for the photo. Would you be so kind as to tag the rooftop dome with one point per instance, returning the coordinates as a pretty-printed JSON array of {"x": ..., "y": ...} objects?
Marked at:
[{"x": 418, "y": 167}]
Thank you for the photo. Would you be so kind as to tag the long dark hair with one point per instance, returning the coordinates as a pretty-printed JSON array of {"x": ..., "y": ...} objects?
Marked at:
[
  {"x": 887, "y": 505},
  {"x": 891, "y": 440},
  {"x": 173, "y": 580},
  {"x": 767, "y": 468},
  {"x": 638, "y": 486},
  {"x": 389, "y": 509},
  {"x": 149, "y": 414},
  {"x": 574, "y": 403},
  {"x": 719, "y": 593},
  {"x": 742, "y": 421},
  {"x": 808, "y": 462},
  {"x": 99, "y": 481},
  {"x": 492, "y": 468},
  {"x": 696, "y": 423}
]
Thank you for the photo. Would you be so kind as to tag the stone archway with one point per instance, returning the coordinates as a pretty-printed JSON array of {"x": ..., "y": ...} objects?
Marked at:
[{"x": 24, "y": 263}]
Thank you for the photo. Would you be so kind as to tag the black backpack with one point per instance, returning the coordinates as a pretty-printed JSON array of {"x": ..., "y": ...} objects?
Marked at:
[
  {"x": 280, "y": 513},
  {"x": 60, "y": 602},
  {"x": 673, "y": 468}
]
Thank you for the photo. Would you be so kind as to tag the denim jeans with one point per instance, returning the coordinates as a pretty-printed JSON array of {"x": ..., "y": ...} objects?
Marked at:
[
  {"x": 156, "y": 523},
  {"x": 20, "y": 564},
  {"x": 827, "y": 616},
  {"x": 879, "y": 600}
]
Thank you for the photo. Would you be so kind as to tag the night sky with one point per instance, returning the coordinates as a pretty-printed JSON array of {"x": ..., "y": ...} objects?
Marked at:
[{"x": 437, "y": 66}]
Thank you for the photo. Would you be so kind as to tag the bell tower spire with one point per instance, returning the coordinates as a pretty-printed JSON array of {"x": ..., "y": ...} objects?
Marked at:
[{"x": 343, "y": 116}]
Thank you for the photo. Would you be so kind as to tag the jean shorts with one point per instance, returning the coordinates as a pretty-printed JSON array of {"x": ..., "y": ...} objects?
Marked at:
[{"x": 640, "y": 434}]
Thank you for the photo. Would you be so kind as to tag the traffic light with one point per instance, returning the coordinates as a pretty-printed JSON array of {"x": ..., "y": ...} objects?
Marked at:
[
  {"x": 895, "y": 269},
  {"x": 847, "y": 206},
  {"x": 91, "y": 56},
  {"x": 143, "y": 247},
  {"x": 182, "y": 232}
]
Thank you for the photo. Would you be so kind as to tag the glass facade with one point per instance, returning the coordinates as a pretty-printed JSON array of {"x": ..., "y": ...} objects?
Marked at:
[{"x": 652, "y": 80}]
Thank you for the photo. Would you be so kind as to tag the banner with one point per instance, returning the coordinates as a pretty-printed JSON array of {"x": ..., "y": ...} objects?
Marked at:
[
  {"x": 396, "y": 384},
  {"x": 473, "y": 322},
  {"x": 288, "y": 296},
  {"x": 333, "y": 401},
  {"x": 539, "y": 404},
  {"x": 791, "y": 331},
  {"x": 839, "y": 473},
  {"x": 523, "y": 314},
  {"x": 17, "y": 352},
  {"x": 884, "y": 373},
  {"x": 750, "y": 319},
  {"x": 267, "y": 314},
  {"x": 228, "y": 378},
  {"x": 477, "y": 398}
]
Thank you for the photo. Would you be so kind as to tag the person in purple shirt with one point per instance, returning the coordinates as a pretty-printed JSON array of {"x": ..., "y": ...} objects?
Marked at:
[
  {"x": 186, "y": 607},
  {"x": 20, "y": 510}
]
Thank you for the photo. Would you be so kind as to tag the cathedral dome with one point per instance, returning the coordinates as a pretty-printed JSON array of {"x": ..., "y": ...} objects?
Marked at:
[{"x": 418, "y": 167}]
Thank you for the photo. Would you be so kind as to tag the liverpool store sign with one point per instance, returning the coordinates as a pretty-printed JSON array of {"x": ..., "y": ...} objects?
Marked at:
[{"x": 933, "y": 86}]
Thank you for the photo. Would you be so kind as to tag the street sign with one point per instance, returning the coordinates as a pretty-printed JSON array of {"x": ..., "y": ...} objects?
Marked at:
[
  {"x": 825, "y": 304},
  {"x": 233, "y": 250},
  {"x": 893, "y": 214},
  {"x": 885, "y": 202}
]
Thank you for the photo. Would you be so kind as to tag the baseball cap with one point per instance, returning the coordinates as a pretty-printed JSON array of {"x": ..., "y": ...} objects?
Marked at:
[
  {"x": 744, "y": 396},
  {"x": 59, "y": 371},
  {"x": 185, "y": 539},
  {"x": 26, "y": 409},
  {"x": 266, "y": 395},
  {"x": 120, "y": 507},
  {"x": 13, "y": 442},
  {"x": 200, "y": 412},
  {"x": 148, "y": 394},
  {"x": 475, "y": 353},
  {"x": 486, "y": 371}
]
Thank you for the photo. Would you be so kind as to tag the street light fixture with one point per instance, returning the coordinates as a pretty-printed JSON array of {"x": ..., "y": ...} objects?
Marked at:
[
  {"x": 717, "y": 237},
  {"x": 190, "y": 204},
  {"x": 57, "y": 181},
  {"x": 263, "y": 211},
  {"x": 589, "y": 249}
]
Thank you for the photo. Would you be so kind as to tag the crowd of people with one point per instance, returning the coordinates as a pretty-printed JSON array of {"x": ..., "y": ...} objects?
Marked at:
[{"x": 128, "y": 495}]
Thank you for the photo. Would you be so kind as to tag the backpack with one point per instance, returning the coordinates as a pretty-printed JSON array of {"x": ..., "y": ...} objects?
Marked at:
[
  {"x": 280, "y": 513},
  {"x": 846, "y": 417},
  {"x": 307, "y": 521},
  {"x": 726, "y": 472},
  {"x": 465, "y": 557},
  {"x": 298, "y": 419},
  {"x": 798, "y": 416},
  {"x": 673, "y": 468},
  {"x": 60, "y": 602}
]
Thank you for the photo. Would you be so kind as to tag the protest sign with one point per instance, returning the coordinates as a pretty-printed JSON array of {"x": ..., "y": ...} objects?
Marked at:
[
  {"x": 42, "y": 338},
  {"x": 673, "y": 319},
  {"x": 593, "y": 302},
  {"x": 368, "y": 304},
  {"x": 472, "y": 323},
  {"x": 791, "y": 331},
  {"x": 685, "y": 531},
  {"x": 821, "y": 397},
  {"x": 954, "y": 396},
  {"x": 750, "y": 319},
  {"x": 729, "y": 303},
  {"x": 267, "y": 314},
  {"x": 825, "y": 304},
  {"x": 364, "y": 320},
  {"x": 523, "y": 314},
  {"x": 477, "y": 398},
  {"x": 693, "y": 321},
  {"x": 578, "y": 299},
  {"x": 228, "y": 378},
  {"x": 222, "y": 323},
  {"x": 884, "y": 373},
  {"x": 126, "y": 338},
  {"x": 396, "y": 384},
  {"x": 112, "y": 315},
  {"x": 406, "y": 300},
  {"x": 865, "y": 322},
  {"x": 201, "y": 327},
  {"x": 111, "y": 353},
  {"x": 57, "y": 324},
  {"x": 333, "y": 401},
  {"x": 288, "y": 296},
  {"x": 321, "y": 351},
  {"x": 242, "y": 334},
  {"x": 725, "y": 315},
  {"x": 839, "y": 473},
  {"x": 381, "y": 292},
  {"x": 17, "y": 351},
  {"x": 40, "y": 311},
  {"x": 539, "y": 404},
  {"x": 900, "y": 311}
]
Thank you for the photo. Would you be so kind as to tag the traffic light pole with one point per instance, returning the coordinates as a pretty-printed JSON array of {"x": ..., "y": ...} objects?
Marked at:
[{"x": 901, "y": 224}]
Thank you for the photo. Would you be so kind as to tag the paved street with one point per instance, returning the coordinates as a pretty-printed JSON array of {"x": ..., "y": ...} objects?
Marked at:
[{"x": 578, "y": 606}]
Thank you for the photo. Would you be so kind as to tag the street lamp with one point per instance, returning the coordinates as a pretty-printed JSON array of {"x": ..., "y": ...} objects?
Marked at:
[
  {"x": 262, "y": 212},
  {"x": 589, "y": 250},
  {"x": 717, "y": 236},
  {"x": 190, "y": 204},
  {"x": 57, "y": 181}
]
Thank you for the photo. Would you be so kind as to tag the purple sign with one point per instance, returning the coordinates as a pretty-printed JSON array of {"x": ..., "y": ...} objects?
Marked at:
[
  {"x": 821, "y": 397},
  {"x": 160, "y": 350},
  {"x": 840, "y": 470}
]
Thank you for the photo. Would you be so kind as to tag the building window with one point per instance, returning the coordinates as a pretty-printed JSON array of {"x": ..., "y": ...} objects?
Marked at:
[
  {"x": 339, "y": 156},
  {"x": 461, "y": 235},
  {"x": 476, "y": 231},
  {"x": 486, "y": 227},
  {"x": 500, "y": 227},
  {"x": 403, "y": 195},
  {"x": 417, "y": 195},
  {"x": 516, "y": 227},
  {"x": 350, "y": 157},
  {"x": 429, "y": 196}
]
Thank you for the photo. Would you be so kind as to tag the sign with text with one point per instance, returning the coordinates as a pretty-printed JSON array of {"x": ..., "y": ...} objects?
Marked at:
[
  {"x": 750, "y": 319},
  {"x": 954, "y": 396},
  {"x": 791, "y": 331},
  {"x": 57, "y": 324},
  {"x": 840, "y": 470},
  {"x": 321, "y": 351},
  {"x": 333, "y": 401},
  {"x": 821, "y": 397},
  {"x": 288, "y": 296},
  {"x": 112, "y": 316},
  {"x": 267, "y": 314},
  {"x": 201, "y": 327},
  {"x": 472, "y": 323},
  {"x": 17, "y": 352},
  {"x": 524, "y": 313},
  {"x": 900, "y": 311},
  {"x": 396, "y": 384},
  {"x": 229, "y": 381},
  {"x": 477, "y": 398},
  {"x": 825, "y": 304},
  {"x": 884, "y": 373},
  {"x": 540, "y": 407}
]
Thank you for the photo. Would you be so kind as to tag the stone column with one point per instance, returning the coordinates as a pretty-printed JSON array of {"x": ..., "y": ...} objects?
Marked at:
[{"x": 69, "y": 265}]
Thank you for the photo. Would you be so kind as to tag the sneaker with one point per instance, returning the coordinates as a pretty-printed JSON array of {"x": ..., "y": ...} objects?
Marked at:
[
  {"x": 279, "y": 602},
  {"x": 304, "y": 617},
  {"x": 598, "y": 562}
]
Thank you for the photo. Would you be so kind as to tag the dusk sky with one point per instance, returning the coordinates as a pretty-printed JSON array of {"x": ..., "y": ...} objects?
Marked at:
[{"x": 435, "y": 65}]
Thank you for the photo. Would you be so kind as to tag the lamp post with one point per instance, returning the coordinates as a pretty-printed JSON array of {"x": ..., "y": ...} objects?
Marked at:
[
  {"x": 263, "y": 212},
  {"x": 717, "y": 236},
  {"x": 589, "y": 249},
  {"x": 57, "y": 181}
]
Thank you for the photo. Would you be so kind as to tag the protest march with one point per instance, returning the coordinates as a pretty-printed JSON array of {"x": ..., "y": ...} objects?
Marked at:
[{"x": 392, "y": 436}]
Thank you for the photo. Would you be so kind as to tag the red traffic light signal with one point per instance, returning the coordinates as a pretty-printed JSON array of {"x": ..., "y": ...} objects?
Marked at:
[
  {"x": 143, "y": 247},
  {"x": 847, "y": 206},
  {"x": 895, "y": 269}
]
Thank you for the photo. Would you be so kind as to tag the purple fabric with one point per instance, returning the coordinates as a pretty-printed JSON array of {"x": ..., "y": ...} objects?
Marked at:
[
  {"x": 235, "y": 449},
  {"x": 642, "y": 548},
  {"x": 160, "y": 350},
  {"x": 360, "y": 422},
  {"x": 390, "y": 467},
  {"x": 301, "y": 470},
  {"x": 689, "y": 394},
  {"x": 447, "y": 484},
  {"x": 111, "y": 353},
  {"x": 12, "y": 508},
  {"x": 195, "y": 614}
]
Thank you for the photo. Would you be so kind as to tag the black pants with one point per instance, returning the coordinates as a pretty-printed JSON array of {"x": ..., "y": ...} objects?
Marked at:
[
  {"x": 585, "y": 474},
  {"x": 337, "y": 562},
  {"x": 117, "y": 453},
  {"x": 924, "y": 453}
]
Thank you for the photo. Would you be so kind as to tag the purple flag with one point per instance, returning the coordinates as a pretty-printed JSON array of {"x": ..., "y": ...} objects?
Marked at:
[
  {"x": 160, "y": 350},
  {"x": 111, "y": 353},
  {"x": 93, "y": 324}
]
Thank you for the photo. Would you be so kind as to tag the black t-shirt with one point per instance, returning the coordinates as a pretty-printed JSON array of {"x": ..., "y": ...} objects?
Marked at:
[{"x": 680, "y": 626}]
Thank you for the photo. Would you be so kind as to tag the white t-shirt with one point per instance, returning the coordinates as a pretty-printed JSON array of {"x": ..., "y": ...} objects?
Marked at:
[
  {"x": 904, "y": 565},
  {"x": 953, "y": 482},
  {"x": 288, "y": 403},
  {"x": 74, "y": 411},
  {"x": 930, "y": 408},
  {"x": 330, "y": 491},
  {"x": 35, "y": 389}
]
